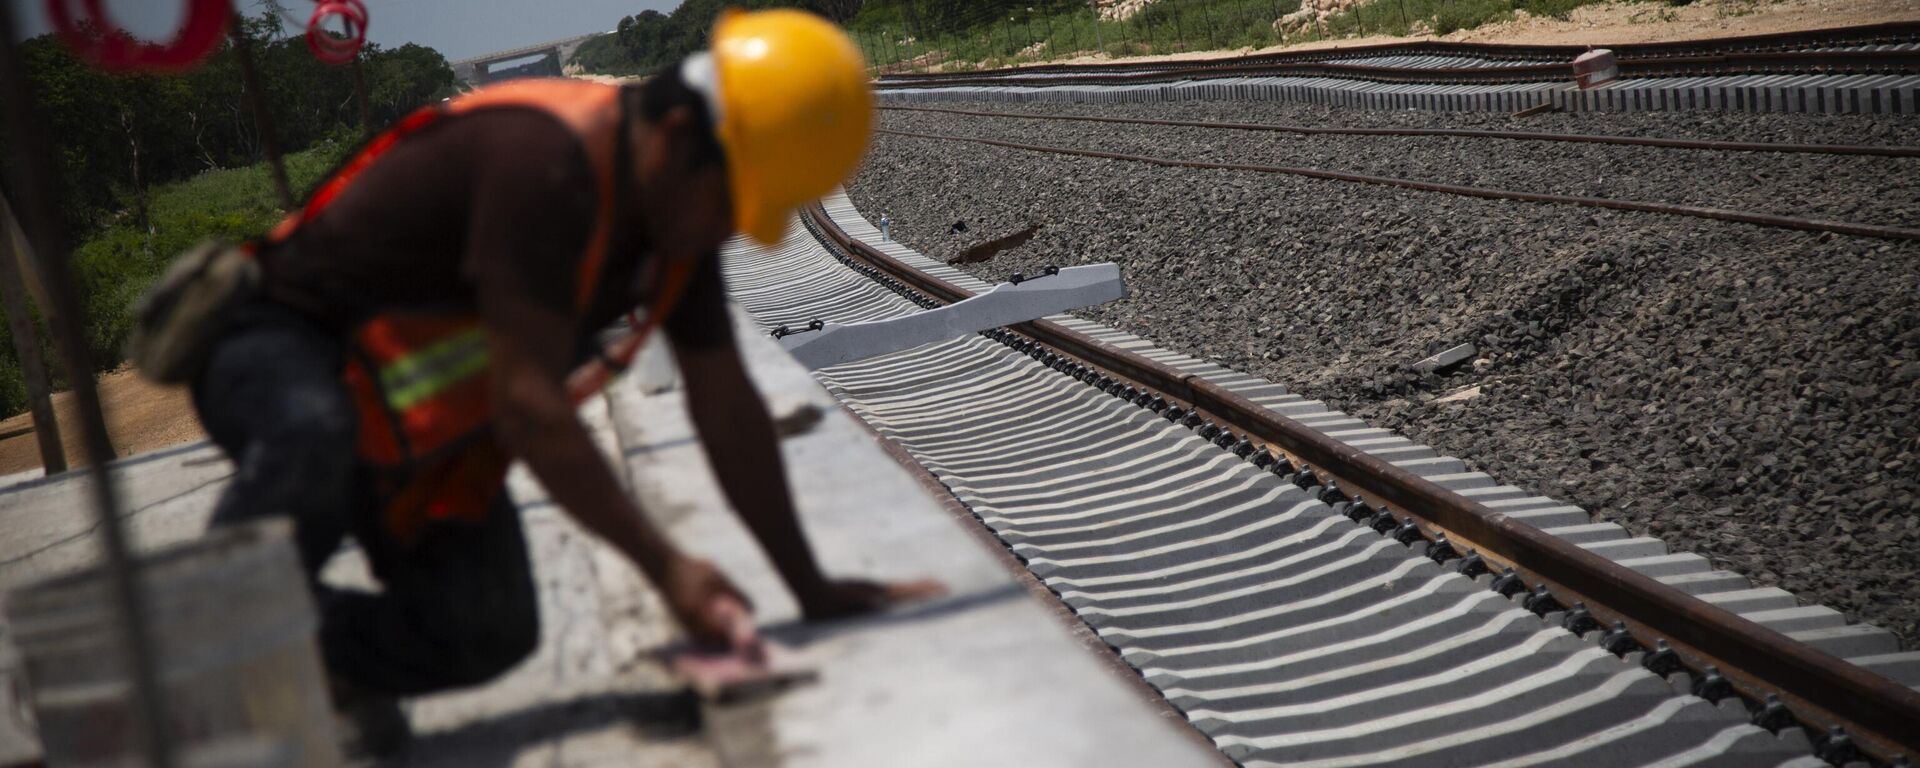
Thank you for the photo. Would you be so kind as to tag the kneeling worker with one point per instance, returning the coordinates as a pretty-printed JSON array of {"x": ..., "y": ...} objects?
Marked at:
[{"x": 414, "y": 326}]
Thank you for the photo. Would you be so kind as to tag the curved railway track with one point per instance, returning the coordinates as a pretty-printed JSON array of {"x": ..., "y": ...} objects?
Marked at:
[{"x": 1309, "y": 590}]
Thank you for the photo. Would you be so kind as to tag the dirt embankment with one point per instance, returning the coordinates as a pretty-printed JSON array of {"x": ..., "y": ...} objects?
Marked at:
[
  {"x": 1619, "y": 23},
  {"x": 141, "y": 417}
]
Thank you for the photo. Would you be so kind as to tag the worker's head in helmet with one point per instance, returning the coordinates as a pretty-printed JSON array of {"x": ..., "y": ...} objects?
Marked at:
[
  {"x": 774, "y": 116},
  {"x": 680, "y": 169}
]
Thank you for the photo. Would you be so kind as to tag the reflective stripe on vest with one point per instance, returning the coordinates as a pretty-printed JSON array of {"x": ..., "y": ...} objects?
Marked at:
[
  {"x": 426, "y": 372},
  {"x": 418, "y": 366},
  {"x": 418, "y": 379}
]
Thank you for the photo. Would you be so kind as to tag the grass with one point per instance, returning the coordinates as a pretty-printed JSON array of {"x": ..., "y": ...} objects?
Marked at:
[
  {"x": 1439, "y": 17},
  {"x": 115, "y": 265},
  {"x": 1042, "y": 33}
]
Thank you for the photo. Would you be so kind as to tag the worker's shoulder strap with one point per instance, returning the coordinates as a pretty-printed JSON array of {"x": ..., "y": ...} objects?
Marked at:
[{"x": 591, "y": 111}]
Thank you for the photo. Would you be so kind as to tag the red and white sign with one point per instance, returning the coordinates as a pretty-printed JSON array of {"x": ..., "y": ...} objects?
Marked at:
[
  {"x": 329, "y": 48},
  {"x": 85, "y": 27}
]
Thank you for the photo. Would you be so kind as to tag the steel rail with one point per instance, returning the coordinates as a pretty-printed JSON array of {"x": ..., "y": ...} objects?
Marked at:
[
  {"x": 1722, "y": 64},
  {"x": 1718, "y": 214},
  {"x": 1586, "y": 138},
  {"x": 1870, "y": 34},
  {"x": 1824, "y": 689}
]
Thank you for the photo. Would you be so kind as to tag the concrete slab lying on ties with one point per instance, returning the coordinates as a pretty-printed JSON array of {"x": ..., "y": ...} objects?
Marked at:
[
  {"x": 984, "y": 676},
  {"x": 1447, "y": 358}
]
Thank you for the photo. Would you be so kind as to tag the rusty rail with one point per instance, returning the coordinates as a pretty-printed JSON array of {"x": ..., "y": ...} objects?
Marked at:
[
  {"x": 1823, "y": 690},
  {"x": 1719, "y": 214},
  {"x": 1582, "y": 138}
]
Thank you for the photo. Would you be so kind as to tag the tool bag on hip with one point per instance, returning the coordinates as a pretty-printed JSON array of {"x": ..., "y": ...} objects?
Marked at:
[{"x": 178, "y": 319}]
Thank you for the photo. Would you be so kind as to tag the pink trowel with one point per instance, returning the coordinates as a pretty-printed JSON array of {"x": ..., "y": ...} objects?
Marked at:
[{"x": 749, "y": 667}]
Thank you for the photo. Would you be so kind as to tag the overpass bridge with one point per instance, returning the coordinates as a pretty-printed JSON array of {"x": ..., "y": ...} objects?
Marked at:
[{"x": 551, "y": 56}]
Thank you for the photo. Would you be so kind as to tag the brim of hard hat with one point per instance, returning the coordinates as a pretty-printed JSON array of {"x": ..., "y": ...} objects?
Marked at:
[{"x": 766, "y": 228}]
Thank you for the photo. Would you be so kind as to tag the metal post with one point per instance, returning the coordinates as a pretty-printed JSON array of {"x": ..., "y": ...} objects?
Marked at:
[
  {"x": 35, "y": 181},
  {"x": 262, "y": 118},
  {"x": 1179, "y": 30},
  {"x": 26, "y": 344},
  {"x": 1404, "y": 21},
  {"x": 360, "y": 93},
  {"x": 1050, "y": 46},
  {"x": 1206, "y": 15}
]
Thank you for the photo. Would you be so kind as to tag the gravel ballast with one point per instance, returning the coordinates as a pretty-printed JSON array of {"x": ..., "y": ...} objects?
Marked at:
[
  {"x": 1742, "y": 392},
  {"x": 1860, "y": 189}
]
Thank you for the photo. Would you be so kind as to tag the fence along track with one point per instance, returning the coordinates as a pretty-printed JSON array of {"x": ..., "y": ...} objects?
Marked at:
[
  {"x": 1718, "y": 214},
  {"x": 1314, "y": 130},
  {"x": 1240, "y": 595}
]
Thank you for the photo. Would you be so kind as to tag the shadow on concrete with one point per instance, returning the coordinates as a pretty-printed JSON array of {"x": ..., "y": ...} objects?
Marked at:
[
  {"x": 797, "y": 634},
  {"x": 499, "y": 740}
]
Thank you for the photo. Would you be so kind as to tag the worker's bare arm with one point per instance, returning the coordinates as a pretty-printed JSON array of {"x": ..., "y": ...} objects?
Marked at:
[
  {"x": 744, "y": 451},
  {"x": 526, "y": 239},
  {"x": 539, "y": 424}
]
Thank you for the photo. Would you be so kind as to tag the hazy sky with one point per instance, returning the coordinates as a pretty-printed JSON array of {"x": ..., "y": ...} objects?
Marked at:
[{"x": 457, "y": 28}]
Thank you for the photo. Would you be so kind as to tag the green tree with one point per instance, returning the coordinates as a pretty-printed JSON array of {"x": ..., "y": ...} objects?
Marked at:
[{"x": 135, "y": 154}]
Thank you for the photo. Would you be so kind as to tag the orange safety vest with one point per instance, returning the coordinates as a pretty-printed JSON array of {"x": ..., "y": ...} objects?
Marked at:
[{"x": 418, "y": 378}]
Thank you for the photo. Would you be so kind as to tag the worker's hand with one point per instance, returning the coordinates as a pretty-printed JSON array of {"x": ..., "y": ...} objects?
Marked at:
[
  {"x": 708, "y": 606},
  {"x": 853, "y": 597}
]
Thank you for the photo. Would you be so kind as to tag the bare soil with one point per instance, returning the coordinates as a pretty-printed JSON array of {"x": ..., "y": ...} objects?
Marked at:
[
  {"x": 141, "y": 417},
  {"x": 1617, "y": 23}
]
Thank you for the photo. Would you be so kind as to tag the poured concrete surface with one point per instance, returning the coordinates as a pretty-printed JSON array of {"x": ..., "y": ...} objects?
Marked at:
[
  {"x": 985, "y": 676},
  {"x": 589, "y": 697}
]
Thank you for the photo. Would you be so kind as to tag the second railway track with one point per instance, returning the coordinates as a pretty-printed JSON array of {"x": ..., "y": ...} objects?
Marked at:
[
  {"x": 1846, "y": 192},
  {"x": 1291, "y": 625},
  {"x": 1862, "y": 69}
]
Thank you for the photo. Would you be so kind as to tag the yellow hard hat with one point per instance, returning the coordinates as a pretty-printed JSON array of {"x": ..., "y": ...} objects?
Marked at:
[{"x": 795, "y": 112}]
